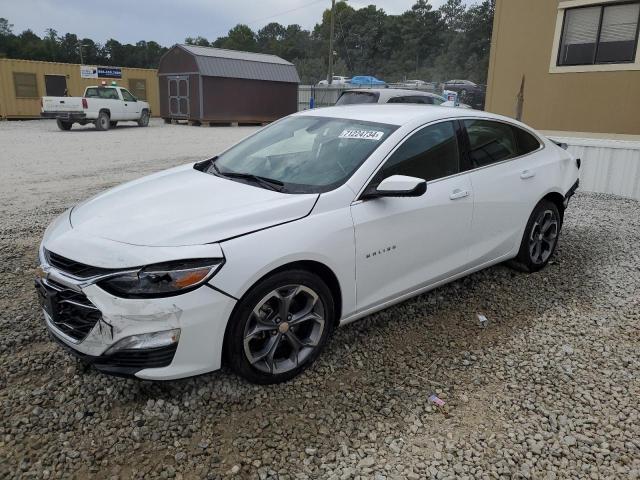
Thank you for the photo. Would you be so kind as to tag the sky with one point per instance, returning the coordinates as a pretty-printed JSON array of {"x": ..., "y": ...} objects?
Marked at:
[{"x": 170, "y": 21}]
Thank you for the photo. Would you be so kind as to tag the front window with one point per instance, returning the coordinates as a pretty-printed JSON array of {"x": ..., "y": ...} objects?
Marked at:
[
  {"x": 303, "y": 154},
  {"x": 127, "y": 96},
  {"x": 430, "y": 154},
  {"x": 599, "y": 34},
  {"x": 350, "y": 98}
]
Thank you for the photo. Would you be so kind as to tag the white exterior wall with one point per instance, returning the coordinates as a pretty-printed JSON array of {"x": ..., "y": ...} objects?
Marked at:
[{"x": 608, "y": 166}]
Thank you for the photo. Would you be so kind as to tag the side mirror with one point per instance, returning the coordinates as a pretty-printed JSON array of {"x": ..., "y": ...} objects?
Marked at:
[{"x": 397, "y": 186}]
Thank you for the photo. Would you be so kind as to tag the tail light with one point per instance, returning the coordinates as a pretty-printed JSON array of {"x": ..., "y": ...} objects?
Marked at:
[{"x": 85, "y": 105}]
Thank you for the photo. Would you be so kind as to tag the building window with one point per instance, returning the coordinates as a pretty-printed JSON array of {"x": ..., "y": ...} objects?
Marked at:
[
  {"x": 600, "y": 34},
  {"x": 138, "y": 87},
  {"x": 26, "y": 85}
]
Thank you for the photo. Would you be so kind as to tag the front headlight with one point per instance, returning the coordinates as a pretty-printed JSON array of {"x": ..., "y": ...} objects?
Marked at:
[{"x": 162, "y": 279}]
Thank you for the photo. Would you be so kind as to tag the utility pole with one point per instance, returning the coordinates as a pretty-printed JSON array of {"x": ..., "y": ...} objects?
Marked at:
[
  {"x": 80, "y": 45},
  {"x": 330, "y": 75}
]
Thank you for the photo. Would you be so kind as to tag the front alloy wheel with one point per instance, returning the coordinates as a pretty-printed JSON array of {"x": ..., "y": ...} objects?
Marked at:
[
  {"x": 284, "y": 328},
  {"x": 280, "y": 327}
]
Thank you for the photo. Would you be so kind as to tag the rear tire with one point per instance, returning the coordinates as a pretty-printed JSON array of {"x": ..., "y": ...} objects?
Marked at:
[
  {"x": 103, "y": 122},
  {"x": 540, "y": 238},
  {"x": 62, "y": 125},
  {"x": 279, "y": 327},
  {"x": 144, "y": 119}
]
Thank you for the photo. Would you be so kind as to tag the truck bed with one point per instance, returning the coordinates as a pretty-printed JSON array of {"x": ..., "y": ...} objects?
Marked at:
[{"x": 54, "y": 105}]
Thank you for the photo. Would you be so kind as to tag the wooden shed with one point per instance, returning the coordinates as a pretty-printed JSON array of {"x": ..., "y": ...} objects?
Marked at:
[{"x": 214, "y": 85}]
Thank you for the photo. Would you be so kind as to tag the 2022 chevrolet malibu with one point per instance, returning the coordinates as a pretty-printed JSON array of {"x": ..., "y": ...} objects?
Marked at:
[{"x": 254, "y": 256}]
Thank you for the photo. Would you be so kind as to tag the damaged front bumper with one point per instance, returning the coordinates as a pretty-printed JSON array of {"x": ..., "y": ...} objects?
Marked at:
[{"x": 92, "y": 324}]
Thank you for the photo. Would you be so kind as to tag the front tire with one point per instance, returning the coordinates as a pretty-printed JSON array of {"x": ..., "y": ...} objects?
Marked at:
[
  {"x": 280, "y": 327},
  {"x": 103, "y": 122},
  {"x": 144, "y": 119},
  {"x": 62, "y": 125},
  {"x": 540, "y": 238}
]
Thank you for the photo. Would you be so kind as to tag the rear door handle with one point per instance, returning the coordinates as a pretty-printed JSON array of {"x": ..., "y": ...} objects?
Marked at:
[
  {"x": 527, "y": 174},
  {"x": 458, "y": 193}
]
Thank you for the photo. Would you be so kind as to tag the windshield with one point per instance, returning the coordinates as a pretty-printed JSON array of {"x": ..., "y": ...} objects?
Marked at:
[
  {"x": 349, "y": 98},
  {"x": 302, "y": 154}
]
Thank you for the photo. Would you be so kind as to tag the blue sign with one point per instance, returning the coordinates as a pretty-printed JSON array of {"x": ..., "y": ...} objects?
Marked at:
[{"x": 109, "y": 72}]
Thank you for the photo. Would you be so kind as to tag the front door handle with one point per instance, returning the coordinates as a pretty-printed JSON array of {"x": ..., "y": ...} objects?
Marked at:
[
  {"x": 527, "y": 174},
  {"x": 458, "y": 193}
]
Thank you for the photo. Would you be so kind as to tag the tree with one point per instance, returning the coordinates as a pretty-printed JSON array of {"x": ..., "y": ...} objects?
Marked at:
[
  {"x": 450, "y": 42},
  {"x": 270, "y": 38},
  {"x": 240, "y": 37},
  {"x": 6, "y": 28},
  {"x": 453, "y": 14},
  {"x": 199, "y": 41}
]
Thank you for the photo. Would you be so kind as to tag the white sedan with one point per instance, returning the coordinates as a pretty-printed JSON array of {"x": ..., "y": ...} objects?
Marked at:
[{"x": 253, "y": 256}]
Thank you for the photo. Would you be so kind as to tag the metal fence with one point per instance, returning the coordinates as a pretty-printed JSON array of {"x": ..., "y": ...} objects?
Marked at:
[{"x": 314, "y": 96}]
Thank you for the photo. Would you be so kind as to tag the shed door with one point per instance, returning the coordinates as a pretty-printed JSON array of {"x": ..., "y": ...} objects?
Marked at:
[
  {"x": 179, "y": 96},
  {"x": 55, "y": 85}
]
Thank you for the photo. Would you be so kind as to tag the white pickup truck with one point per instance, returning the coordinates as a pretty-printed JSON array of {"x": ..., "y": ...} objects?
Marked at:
[{"x": 104, "y": 106}]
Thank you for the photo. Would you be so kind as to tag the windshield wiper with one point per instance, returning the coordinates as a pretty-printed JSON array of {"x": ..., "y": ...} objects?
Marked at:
[{"x": 270, "y": 183}]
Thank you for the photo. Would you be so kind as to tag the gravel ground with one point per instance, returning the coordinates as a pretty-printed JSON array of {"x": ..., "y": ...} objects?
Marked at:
[{"x": 548, "y": 388}]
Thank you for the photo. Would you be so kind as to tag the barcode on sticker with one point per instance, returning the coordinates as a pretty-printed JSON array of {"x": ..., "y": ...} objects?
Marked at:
[{"x": 362, "y": 134}]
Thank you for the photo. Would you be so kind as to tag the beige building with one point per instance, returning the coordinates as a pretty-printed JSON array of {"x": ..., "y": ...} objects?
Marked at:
[
  {"x": 24, "y": 82},
  {"x": 579, "y": 59}
]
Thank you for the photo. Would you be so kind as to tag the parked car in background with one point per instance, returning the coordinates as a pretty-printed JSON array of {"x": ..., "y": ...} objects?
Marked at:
[
  {"x": 364, "y": 80},
  {"x": 418, "y": 84},
  {"x": 335, "y": 80},
  {"x": 254, "y": 256},
  {"x": 392, "y": 95},
  {"x": 468, "y": 92},
  {"x": 104, "y": 106},
  {"x": 462, "y": 86}
]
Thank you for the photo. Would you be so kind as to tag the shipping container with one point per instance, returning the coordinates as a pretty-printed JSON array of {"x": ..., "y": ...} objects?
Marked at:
[{"x": 24, "y": 82}]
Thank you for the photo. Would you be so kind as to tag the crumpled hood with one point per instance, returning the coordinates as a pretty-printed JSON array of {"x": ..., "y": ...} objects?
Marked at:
[{"x": 183, "y": 206}]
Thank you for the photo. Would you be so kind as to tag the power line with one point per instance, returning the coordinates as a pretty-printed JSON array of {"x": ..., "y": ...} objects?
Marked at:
[{"x": 285, "y": 12}]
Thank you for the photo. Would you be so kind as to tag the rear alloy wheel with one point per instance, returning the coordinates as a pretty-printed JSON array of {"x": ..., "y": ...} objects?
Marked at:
[
  {"x": 103, "y": 122},
  {"x": 144, "y": 119},
  {"x": 62, "y": 125},
  {"x": 540, "y": 238},
  {"x": 280, "y": 327}
]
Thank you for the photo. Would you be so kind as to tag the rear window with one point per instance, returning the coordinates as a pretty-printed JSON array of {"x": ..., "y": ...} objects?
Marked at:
[
  {"x": 421, "y": 99},
  {"x": 104, "y": 93},
  {"x": 350, "y": 98},
  {"x": 492, "y": 142}
]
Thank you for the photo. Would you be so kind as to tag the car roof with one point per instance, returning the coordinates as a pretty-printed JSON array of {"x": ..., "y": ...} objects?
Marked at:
[
  {"x": 386, "y": 93},
  {"x": 399, "y": 113}
]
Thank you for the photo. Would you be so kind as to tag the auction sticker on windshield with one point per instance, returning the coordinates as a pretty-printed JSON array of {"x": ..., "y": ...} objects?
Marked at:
[{"x": 362, "y": 134}]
